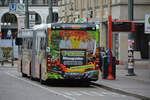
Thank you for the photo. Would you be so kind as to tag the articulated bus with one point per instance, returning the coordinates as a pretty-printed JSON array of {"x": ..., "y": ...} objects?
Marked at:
[{"x": 60, "y": 51}]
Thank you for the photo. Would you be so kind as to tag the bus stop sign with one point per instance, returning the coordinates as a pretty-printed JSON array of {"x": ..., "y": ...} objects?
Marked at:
[
  {"x": 147, "y": 23},
  {"x": 12, "y": 7},
  {"x": 123, "y": 26}
]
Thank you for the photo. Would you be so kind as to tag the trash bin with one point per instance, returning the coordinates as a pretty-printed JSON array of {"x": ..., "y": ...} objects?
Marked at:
[{"x": 106, "y": 67}]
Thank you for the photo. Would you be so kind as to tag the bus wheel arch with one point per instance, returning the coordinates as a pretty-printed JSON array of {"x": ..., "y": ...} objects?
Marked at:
[{"x": 21, "y": 69}]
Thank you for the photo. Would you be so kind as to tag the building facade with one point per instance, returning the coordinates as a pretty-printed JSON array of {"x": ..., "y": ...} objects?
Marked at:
[
  {"x": 38, "y": 13},
  {"x": 96, "y": 11}
]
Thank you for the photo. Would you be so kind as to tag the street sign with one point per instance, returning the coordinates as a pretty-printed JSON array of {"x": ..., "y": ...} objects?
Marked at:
[
  {"x": 17, "y": 8},
  {"x": 123, "y": 26},
  {"x": 20, "y": 7},
  {"x": 12, "y": 7},
  {"x": 147, "y": 23}
]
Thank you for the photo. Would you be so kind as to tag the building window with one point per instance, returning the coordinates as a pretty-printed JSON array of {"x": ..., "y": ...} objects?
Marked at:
[
  {"x": 2, "y": 2},
  {"x": 105, "y": 2},
  {"x": 84, "y": 4},
  {"x": 55, "y": 2},
  {"x": 114, "y": 1},
  {"x": 45, "y": 2},
  {"x": 97, "y": 3}
]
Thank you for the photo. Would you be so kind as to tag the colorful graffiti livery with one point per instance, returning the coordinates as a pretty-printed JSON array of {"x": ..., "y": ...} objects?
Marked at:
[
  {"x": 74, "y": 50},
  {"x": 60, "y": 51}
]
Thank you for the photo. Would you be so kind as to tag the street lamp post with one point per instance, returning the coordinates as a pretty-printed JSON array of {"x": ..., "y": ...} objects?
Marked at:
[
  {"x": 27, "y": 14},
  {"x": 50, "y": 20}
]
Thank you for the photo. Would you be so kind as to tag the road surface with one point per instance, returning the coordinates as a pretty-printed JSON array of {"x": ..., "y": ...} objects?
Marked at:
[{"x": 14, "y": 87}]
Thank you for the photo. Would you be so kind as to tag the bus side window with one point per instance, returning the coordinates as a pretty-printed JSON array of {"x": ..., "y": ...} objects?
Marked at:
[
  {"x": 29, "y": 43},
  {"x": 42, "y": 43},
  {"x": 22, "y": 43},
  {"x": 25, "y": 43},
  {"x": 37, "y": 43}
]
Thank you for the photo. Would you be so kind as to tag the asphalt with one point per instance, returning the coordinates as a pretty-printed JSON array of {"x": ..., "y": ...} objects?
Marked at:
[
  {"x": 15, "y": 89},
  {"x": 137, "y": 86}
]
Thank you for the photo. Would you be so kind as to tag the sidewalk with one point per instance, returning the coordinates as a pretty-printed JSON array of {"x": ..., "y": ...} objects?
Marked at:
[
  {"x": 139, "y": 84},
  {"x": 8, "y": 65}
]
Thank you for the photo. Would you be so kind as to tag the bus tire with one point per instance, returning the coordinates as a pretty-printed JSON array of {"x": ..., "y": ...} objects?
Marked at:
[
  {"x": 21, "y": 66},
  {"x": 30, "y": 72},
  {"x": 40, "y": 73}
]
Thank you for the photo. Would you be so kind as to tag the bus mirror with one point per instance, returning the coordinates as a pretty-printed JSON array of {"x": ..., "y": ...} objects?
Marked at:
[
  {"x": 48, "y": 49},
  {"x": 18, "y": 41}
]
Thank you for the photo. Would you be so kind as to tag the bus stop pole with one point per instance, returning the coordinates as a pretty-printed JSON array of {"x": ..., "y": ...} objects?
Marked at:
[{"x": 110, "y": 76}]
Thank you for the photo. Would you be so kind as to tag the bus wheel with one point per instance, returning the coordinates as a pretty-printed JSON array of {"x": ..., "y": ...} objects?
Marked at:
[
  {"x": 21, "y": 65},
  {"x": 41, "y": 81},
  {"x": 31, "y": 78}
]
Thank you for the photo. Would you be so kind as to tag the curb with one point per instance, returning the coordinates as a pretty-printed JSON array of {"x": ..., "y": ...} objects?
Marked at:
[{"x": 121, "y": 91}]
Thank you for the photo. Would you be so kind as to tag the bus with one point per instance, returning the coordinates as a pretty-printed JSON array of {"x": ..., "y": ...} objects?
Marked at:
[{"x": 60, "y": 51}]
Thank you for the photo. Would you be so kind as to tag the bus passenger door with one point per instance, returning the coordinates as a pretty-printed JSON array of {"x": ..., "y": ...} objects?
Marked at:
[{"x": 35, "y": 55}]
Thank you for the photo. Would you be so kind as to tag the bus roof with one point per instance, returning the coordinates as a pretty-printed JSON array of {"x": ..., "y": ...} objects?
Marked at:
[
  {"x": 73, "y": 26},
  {"x": 26, "y": 33},
  {"x": 66, "y": 26},
  {"x": 41, "y": 27}
]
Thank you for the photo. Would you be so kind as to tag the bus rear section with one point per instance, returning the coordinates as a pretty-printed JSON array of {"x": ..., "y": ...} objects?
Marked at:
[{"x": 72, "y": 52}]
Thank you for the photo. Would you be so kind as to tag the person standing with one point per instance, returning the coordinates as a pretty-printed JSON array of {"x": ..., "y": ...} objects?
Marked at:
[{"x": 9, "y": 33}]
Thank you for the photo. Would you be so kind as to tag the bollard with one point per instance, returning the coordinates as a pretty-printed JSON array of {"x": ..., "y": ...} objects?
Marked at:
[{"x": 130, "y": 59}]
